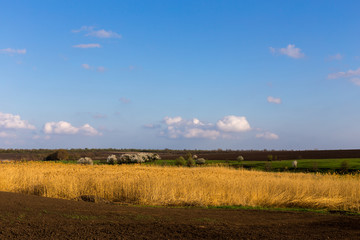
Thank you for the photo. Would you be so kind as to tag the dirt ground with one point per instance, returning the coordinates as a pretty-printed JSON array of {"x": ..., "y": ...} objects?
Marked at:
[{"x": 32, "y": 217}]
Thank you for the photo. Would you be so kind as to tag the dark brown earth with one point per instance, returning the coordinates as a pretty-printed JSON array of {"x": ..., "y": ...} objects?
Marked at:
[{"x": 32, "y": 217}]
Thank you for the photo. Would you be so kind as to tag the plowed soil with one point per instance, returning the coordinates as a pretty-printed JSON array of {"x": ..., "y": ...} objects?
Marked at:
[{"x": 32, "y": 217}]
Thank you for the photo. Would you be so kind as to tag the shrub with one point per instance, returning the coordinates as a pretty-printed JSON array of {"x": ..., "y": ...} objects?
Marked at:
[
  {"x": 240, "y": 158},
  {"x": 188, "y": 155},
  {"x": 190, "y": 162},
  {"x": 60, "y": 154},
  {"x": 138, "y": 157},
  {"x": 130, "y": 158},
  {"x": 270, "y": 157},
  {"x": 180, "y": 161},
  {"x": 85, "y": 161},
  {"x": 200, "y": 161},
  {"x": 111, "y": 159},
  {"x": 155, "y": 156}
]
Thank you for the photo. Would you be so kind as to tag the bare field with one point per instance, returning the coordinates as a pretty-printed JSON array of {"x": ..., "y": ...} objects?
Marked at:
[
  {"x": 31, "y": 217},
  {"x": 173, "y": 186}
]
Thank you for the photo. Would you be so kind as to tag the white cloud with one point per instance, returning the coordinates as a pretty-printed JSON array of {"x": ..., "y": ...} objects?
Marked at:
[
  {"x": 102, "y": 33},
  {"x": 267, "y": 135},
  {"x": 271, "y": 99},
  {"x": 86, "y": 66},
  {"x": 171, "y": 121},
  {"x": 88, "y": 45},
  {"x": 229, "y": 127},
  {"x": 8, "y": 121},
  {"x": 88, "y": 130},
  {"x": 290, "y": 51},
  {"x": 12, "y": 51},
  {"x": 177, "y": 127},
  {"x": 349, "y": 73},
  {"x": 233, "y": 124},
  {"x": 196, "y": 121},
  {"x": 337, "y": 56},
  {"x": 355, "y": 81},
  {"x": 201, "y": 133},
  {"x": 63, "y": 127}
]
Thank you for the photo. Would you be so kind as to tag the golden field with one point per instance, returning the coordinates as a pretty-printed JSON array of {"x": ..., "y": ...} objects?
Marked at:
[{"x": 199, "y": 186}]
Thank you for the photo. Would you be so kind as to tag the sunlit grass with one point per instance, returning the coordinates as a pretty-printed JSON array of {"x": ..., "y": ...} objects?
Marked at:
[{"x": 199, "y": 186}]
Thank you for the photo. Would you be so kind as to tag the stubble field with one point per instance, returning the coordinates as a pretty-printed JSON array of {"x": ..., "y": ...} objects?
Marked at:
[{"x": 179, "y": 186}]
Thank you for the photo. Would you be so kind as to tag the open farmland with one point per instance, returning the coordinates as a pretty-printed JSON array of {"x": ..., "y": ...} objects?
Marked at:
[
  {"x": 304, "y": 165},
  {"x": 173, "y": 186}
]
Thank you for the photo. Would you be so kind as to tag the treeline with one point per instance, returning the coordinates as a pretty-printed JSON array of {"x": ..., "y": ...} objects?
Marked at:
[{"x": 219, "y": 154}]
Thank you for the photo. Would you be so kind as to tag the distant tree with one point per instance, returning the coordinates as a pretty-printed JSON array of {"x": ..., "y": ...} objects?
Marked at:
[
  {"x": 190, "y": 162},
  {"x": 59, "y": 155},
  {"x": 188, "y": 156}
]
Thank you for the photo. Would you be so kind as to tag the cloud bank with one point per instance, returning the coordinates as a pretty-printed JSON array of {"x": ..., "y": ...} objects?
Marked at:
[
  {"x": 10, "y": 121},
  {"x": 229, "y": 127},
  {"x": 233, "y": 124},
  {"x": 353, "y": 75},
  {"x": 177, "y": 127},
  {"x": 63, "y": 127},
  {"x": 349, "y": 73}
]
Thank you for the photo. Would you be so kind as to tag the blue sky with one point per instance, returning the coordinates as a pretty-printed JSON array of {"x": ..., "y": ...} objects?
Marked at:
[{"x": 180, "y": 74}]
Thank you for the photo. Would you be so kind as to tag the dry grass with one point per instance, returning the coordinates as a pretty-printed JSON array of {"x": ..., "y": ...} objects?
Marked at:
[{"x": 202, "y": 186}]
